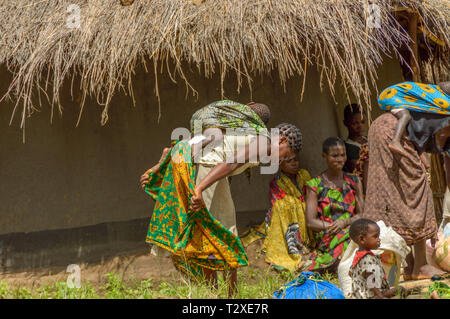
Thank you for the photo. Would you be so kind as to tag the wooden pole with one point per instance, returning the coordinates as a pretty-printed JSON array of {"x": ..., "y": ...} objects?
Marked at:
[
  {"x": 412, "y": 32},
  {"x": 437, "y": 175}
]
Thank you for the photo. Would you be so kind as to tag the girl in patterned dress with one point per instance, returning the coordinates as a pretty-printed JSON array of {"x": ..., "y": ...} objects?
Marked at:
[
  {"x": 333, "y": 200},
  {"x": 286, "y": 237},
  {"x": 367, "y": 273}
]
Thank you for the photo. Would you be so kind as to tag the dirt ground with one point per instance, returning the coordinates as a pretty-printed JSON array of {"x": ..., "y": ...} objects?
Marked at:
[{"x": 128, "y": 267}]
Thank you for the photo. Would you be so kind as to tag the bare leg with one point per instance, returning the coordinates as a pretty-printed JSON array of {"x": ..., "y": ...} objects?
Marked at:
[
  {"x": 421, "y": 269},
  {"x": 407, "y": 271},
  {"x": 403, "y": 119},
  {"x": 211, "y": 277}
]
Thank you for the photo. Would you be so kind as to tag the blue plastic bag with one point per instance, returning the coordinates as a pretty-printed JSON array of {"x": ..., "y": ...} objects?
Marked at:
[{"x": 309, "y": 285}]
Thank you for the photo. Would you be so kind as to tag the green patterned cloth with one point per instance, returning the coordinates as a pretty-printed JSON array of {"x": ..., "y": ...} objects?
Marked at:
[
  {"x": 228, "y": 114},
  {"x": 195, "y": 239}
]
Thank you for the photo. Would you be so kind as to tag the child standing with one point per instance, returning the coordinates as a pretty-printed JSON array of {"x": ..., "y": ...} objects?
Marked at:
[{"x": 367, "y": 273}]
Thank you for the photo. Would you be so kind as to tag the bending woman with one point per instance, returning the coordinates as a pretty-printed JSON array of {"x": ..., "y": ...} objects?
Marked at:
[
  {"x": 201, "y": 235},
  {"x": 289, "y": 143},
  {"x": 333, "y": 200}
]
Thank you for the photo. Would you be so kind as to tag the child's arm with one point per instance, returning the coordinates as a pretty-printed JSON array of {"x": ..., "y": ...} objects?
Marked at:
[
  {"x": 366, "y": 274},
  {"x": 378, "y": 293},
  {"x": 403, "y": 117},
  {"x": 403, "y": 292},
  {"x": 391, "y": 293}
]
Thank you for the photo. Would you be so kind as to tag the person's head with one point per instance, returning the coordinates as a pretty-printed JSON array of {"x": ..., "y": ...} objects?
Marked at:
[
  {"x": 261, "y": 110},
  {"x": 333, "y": 151},
  {"x": 354, "y": 120},
  {"x": 290, "y": 165},
  {"x": 290, "y": 140},
  {"x": 445, "y": 86},
  {"x": 366, "y": 233}
]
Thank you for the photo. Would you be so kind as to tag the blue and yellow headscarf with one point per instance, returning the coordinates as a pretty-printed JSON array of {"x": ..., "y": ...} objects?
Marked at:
[{"x": 419, "y": 97}]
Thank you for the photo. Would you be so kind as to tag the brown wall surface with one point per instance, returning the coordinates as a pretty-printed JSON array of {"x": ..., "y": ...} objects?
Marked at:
[{"x": 66, "y": 176}]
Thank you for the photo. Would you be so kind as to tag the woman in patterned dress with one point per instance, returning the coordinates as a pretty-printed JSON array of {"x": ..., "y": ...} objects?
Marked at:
[
  {"x": 284, "y": 228},
  {"x": 333, "y": 200},
  {"x": 397, "y": 189}
]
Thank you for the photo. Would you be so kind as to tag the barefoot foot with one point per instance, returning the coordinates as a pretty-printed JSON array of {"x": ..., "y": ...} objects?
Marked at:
[{"x": 427, "y": 272}]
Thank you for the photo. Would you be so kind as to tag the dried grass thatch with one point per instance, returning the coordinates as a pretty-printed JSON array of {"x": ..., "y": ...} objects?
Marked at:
[{"x": 226, "y": 36}]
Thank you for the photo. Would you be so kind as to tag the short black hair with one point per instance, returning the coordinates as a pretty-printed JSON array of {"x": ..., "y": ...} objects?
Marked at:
[
  {"x": 293, "y": 136},
  {"x": 262, "y": 110},
  {"x": 350, "y": 110},
  {"x": 330, "y": 142},
  {"x": 360, "y": 227}
]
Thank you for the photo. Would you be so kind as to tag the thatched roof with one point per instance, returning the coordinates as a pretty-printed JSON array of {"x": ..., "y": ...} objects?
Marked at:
[{"x": 244, "y": 37}]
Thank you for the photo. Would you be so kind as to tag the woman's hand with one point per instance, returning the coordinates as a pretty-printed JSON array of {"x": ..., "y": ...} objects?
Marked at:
[
  {"x": 197, "y": 200},
  {"x": 337, "y": 226},
  {"x": 144, "y": 180}
]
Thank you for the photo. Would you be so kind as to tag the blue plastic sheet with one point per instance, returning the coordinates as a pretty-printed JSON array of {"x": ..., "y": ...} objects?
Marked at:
[{"x": 309, "y": 285}]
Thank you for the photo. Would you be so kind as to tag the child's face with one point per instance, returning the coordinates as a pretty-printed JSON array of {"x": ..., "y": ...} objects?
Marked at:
[
  {"x": 371, "y": 240},
  {"x": 336, "y": 157},
  {"x": 290, "y": 165},
  {"x": 356, "y": 125}
]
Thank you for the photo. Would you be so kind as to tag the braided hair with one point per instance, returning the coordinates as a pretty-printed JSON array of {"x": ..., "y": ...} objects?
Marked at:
[{"x": 292, "y": 134}]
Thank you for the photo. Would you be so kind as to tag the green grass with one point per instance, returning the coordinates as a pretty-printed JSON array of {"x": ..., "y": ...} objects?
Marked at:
[{"x": 252, "y": 283}]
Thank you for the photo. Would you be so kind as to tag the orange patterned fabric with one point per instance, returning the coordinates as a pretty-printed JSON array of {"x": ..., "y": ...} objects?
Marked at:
[{"x": 195, "y": 239}]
